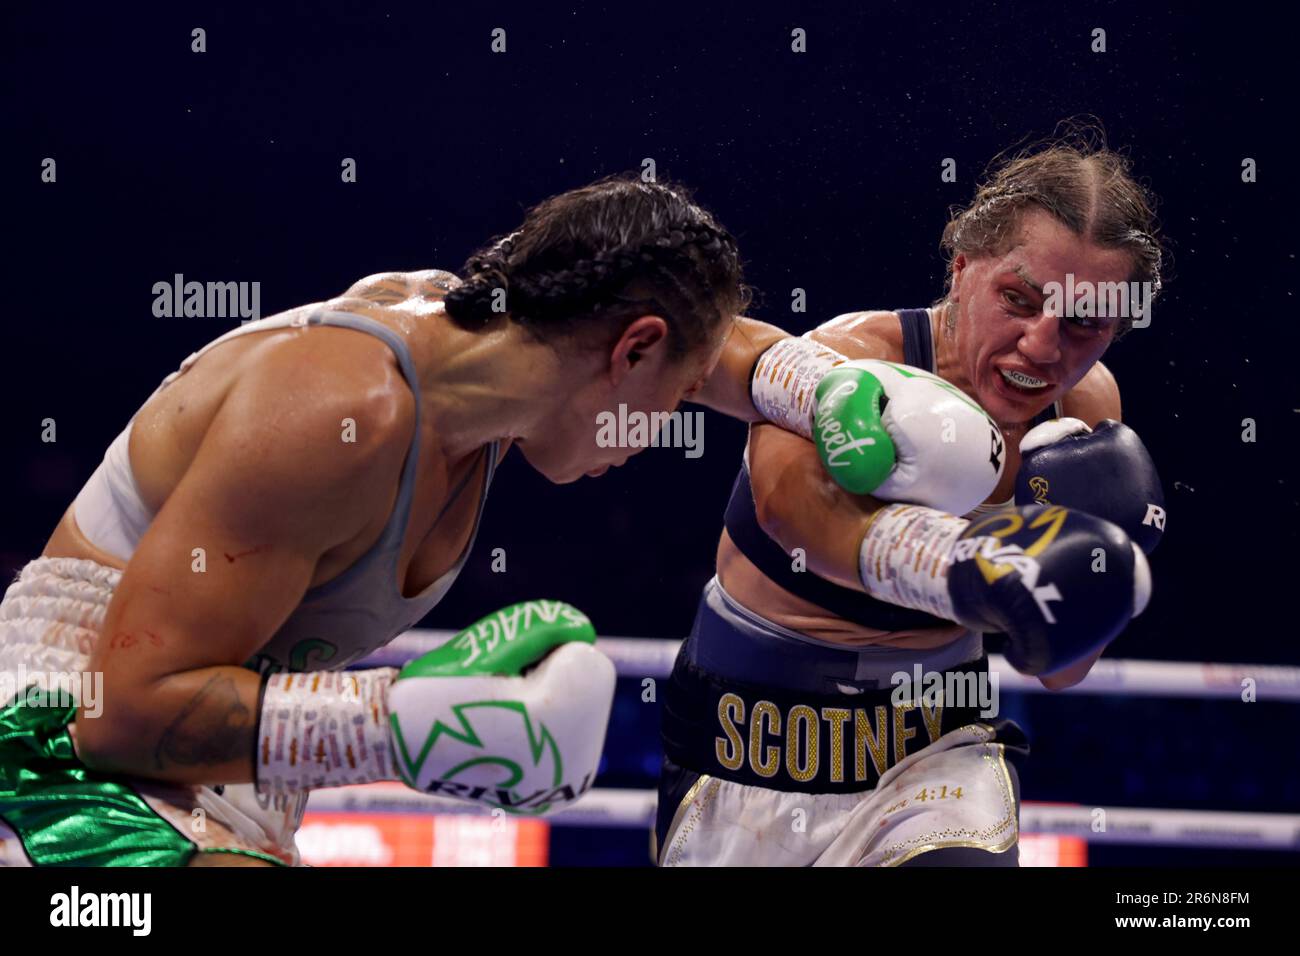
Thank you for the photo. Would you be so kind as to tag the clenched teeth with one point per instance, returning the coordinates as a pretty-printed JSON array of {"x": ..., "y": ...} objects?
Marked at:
[{"x": 1022, "y": 380}]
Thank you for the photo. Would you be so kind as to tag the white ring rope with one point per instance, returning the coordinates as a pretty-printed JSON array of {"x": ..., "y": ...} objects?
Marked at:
[
  {"x": 641, "y": 657},
  {"x": 1117, "y": 825},
  {"x": 1159, "y": 827}
]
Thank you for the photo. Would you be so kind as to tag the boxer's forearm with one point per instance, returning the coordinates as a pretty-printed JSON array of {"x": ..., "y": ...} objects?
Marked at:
[
  {"x": 800, "y": 507},
  {"x": 196, "y": 727},
  {"x": 727, "y": 389},
  {"x": 1069, "y": 676}
]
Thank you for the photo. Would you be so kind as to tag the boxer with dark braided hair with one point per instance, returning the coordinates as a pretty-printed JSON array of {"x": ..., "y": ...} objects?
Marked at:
[
  {"x": 601, "y": 255},
  {"x": 333, "y": 460}
]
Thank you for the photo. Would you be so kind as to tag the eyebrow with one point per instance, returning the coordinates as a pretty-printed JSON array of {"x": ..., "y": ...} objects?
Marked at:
[{"x": 1023, "y": 274}]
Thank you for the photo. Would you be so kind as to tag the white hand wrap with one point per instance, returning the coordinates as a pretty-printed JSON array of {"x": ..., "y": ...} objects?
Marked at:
[
  {"x": 324, "y": 729},
  {"x": 905, "y": 554},
  {"x": 784, "y": 385}
]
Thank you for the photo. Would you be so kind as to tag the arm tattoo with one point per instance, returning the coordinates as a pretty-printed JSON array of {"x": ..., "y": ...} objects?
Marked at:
[
  {"x": 397, "y": 287},
  {"x": 434, "y": 283},
  {"x": 213, "y": 728}
]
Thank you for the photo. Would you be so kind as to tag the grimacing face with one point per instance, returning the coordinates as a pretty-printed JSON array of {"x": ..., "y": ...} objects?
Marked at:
[
  {"x": 1004, "y": 326},
  {"x": 642, "y": 377}
]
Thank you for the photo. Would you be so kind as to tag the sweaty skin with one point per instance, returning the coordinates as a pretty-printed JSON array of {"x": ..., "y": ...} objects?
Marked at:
[
  {"x": 243, "y": 456},
  {"x": 785, "y": 465},
  {"x": 1001, "y": 320}
]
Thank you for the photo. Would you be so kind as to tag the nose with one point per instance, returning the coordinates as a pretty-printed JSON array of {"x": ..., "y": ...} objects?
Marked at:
[{"x": 1041, "y": 340}]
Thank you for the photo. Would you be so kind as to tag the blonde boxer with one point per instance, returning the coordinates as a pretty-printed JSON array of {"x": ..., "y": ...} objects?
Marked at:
[{"x": 786, "y": 740}]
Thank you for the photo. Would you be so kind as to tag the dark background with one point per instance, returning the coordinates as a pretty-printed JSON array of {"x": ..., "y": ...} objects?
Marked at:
[{"x": 826, "y": 166}]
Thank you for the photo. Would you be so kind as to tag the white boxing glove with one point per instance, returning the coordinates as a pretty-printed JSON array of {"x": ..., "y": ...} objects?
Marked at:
[
  {"x": 510, "y": 712},
  {"x": 520, "y": 743},
  {"x": 949, "y": 454}
]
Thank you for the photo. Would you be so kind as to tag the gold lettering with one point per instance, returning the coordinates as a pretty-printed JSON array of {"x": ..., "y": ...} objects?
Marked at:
[
  {"x": 764, "y": 762},
  {"x": 1053, "y": 517},
  {"x": 863, "y": 735},
  {"x": 902, "y": 733},
  {"x": 801, "y": 714},
  {"x": 836, "y": 716},
  {"x": 731, "y": 751},
  {"x": 933, "y": 718}
]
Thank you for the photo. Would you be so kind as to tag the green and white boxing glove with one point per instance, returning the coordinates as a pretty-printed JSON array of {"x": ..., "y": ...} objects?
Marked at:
[
  {"x": 882, "y": 428},
  {"x": 511, "y": 712},
  {"x": 468, "y": 722}
]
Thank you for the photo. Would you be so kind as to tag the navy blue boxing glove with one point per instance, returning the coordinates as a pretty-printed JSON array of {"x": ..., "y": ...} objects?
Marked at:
[
  {"x": 1105, "y": 471},
  {"x": 1061, "y": 584}
]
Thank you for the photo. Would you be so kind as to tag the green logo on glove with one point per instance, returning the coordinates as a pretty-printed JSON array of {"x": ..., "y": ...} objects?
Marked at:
[
  {"x": 850, "y": 437},
  {"x": 501, "y": 644},
  {"x": 534, "y": 740},
  {"x": 506, "y": 642}
]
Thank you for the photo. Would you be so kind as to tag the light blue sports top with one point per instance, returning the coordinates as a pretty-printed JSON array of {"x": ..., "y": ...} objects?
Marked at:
[{"x": 344, "y": 619}]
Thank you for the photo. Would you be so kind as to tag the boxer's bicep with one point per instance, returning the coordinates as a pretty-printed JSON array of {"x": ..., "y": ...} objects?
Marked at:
[
  {"x": 799, "y": 506},
  {"x": 727, "y": 388},
  {"x": 797, "y": 503},
  {"x": 230, "y": 554},
  {"x": 860, "y": 335}
]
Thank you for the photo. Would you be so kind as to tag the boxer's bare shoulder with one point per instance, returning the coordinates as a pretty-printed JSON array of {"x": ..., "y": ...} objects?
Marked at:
[
  {"x": 862, "y": 335},
  {"x": 390, "y": 288},
  {"x": 334, "y": 374},
  {"x": 1094, "y": 398},
  {"x": 409, "y": 303}
]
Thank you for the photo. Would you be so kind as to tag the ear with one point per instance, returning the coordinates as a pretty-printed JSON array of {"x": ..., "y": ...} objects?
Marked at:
[
  {"x": 958, "y": 270},
  {"x": 641, "y": 338}
]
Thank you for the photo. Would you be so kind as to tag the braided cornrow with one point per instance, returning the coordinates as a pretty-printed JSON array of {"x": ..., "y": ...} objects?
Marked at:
[{"x": 614, "y": 249}]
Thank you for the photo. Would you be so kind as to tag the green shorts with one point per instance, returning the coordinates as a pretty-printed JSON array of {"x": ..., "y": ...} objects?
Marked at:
[{"x": 66, "y": 814}]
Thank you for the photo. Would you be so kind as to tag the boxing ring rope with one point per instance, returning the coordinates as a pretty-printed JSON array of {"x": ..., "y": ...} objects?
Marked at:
[
  {"x": 640, "y": 658},
  {"x": 610, "y": 808}
]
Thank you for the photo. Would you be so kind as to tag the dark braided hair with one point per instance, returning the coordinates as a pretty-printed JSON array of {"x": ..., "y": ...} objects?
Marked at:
[{"x": 602, "y": 255}]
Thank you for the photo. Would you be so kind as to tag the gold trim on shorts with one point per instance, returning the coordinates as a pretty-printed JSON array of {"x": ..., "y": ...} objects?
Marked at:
[
  {"x": 677, "y": 843},
  {"x": 1008, "y": 794}
]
